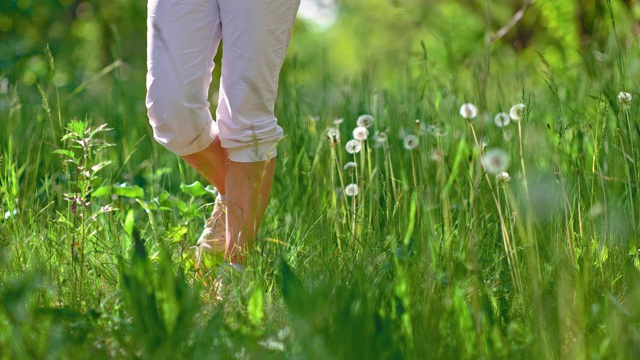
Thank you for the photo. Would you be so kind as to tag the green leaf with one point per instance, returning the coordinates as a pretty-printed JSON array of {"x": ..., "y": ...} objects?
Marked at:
[
  {"x": 176, "y": 233},
  {"x": 256, "y": 307},
  {"x": 102, "y": 191},
  {"x": 65, "y": 152},
  {"x": 128, "y": 191},
  {"x": 194, "y": 190},
  {"x": 129, "y": 221},
  {"x": 164, "y": 196}
]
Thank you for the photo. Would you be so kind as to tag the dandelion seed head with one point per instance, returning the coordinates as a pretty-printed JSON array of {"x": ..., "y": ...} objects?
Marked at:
[
  {"x": 360, "y": 133},
  {"x": 353, "y": 146},
  {"x": 410, "y": 142},
  {"x": 624, "y": 98},
  {"x": 422, "y": 128},
  {"x": 352, "y": 190},
  {"x": 338, "y": 121},
  {"x": 380, "y": 137},
  {"x": 435, "y": 131},
  {"x": 502, "y": 178},
  {"x": 435, "y": 156},
  {"x": 495, "y": 161},
  {"x": 468, "y": 111},
  {"x": 501, "y": 119},
  {"x": 333, "y": 135},
  {"x": 596, "y": 210},
  {"x": 350, "y": 165},
  {"x": 365, "y": 121},
  {"x": 517, "y": 112}
]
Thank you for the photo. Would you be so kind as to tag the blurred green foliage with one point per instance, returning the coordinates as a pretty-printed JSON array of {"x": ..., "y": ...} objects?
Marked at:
[{"x": 377, "y": 35}]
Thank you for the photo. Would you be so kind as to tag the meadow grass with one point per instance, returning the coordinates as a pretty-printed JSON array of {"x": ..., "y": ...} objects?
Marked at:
[{"x": 436, "y": 255}]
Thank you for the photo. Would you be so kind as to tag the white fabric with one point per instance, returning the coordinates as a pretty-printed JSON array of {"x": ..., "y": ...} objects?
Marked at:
[{"x": 182, "y": 40}]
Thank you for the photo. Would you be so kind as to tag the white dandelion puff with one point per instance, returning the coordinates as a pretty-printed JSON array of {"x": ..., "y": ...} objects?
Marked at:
[
  {"x": 353, "y": 146},
  {"x": 502, "y": 178},
  {"x": 333, "y": 135},
  {"x": 352, "y": 190},
  {"x": 483, "y": 143},
  {"x": 495, "y": 161},
  {"x": 517, "y": 112},
  {"x": 365, "y": 120},
  {"x": 360, "y": 133},
  {"x": 435, "y": 131},
  {"x": 501, "y": 119},
  {"x": 596, "y": 210},
  {"x": 338, "y": 121},
  {"x": 350, "y": 165},
  {"x": 380, "y": 137},
  {"x": 422, "y": 127},
  {"x": 410, "y": 142},
  {"x": 468, "y": 111},
  {"x": 624, "y": 98}
]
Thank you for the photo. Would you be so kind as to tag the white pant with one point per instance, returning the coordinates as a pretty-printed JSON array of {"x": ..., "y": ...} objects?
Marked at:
[{"x": 182, "y": 40}]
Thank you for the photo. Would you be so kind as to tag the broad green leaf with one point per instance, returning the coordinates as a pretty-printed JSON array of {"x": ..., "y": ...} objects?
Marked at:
[
  {"x": 176, "y": 233},
  {"x": 194, "y": 190},
  {"x": 128, "y": 191},
  {"x": 129, "y": 221},
  {"x": 255, "y": 307},
  {"x": 102, "y": 191}
]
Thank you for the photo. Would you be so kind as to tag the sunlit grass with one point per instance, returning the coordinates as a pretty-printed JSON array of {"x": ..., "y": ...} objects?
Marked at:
[{"x": 418, "y": 226}]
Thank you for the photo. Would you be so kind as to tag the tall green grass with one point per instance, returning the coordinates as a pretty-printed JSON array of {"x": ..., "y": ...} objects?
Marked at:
[{"x": 433, "y": 258}]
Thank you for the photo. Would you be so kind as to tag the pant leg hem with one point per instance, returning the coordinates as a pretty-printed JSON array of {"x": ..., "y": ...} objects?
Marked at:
[{"x": 253, "y": 153}]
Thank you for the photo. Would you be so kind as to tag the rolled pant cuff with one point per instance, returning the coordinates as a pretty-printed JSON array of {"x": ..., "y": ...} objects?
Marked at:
[
  {"x": 180, "y": 148},
  {"x": 253, "y": 153}
]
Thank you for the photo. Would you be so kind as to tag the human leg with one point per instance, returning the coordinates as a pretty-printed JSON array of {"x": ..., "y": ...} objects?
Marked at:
[
  {"x": 182, "y": 39},
  {"x": 246, "y": 204},
  {"x": 256, "y": 38},
  {"x": 211, "y": 163}
]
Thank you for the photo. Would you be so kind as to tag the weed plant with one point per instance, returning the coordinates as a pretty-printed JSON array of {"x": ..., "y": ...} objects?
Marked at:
[{"x": 449, "y": 224}]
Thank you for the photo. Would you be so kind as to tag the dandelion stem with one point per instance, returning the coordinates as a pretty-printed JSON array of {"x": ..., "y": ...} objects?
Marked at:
[
  {"x": 524, "y": 171},
  {"x": 334, "y": 196},
  {"x": 413, "y": 169}
]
